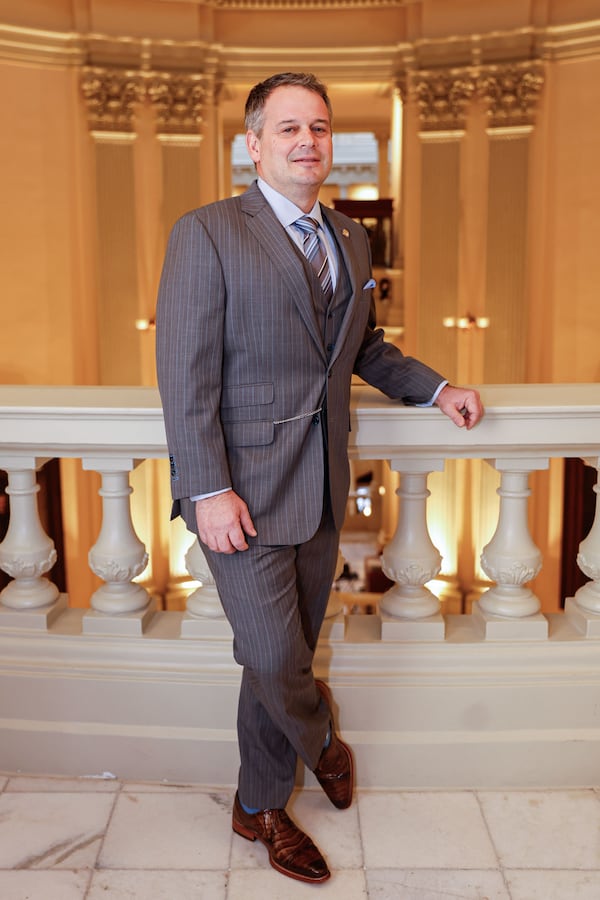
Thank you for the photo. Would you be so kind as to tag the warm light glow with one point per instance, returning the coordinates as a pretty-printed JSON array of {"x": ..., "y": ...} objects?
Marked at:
[
  {"x": 363, "y": 192},
  {"x": 466, "y": 323}
]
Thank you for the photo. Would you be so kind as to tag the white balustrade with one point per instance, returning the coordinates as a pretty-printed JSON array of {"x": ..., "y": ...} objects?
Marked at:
[
  {"x": 411, "y": 559},
  {"x": 118, "y": 555},
  {"x": 587, "y": 597},
  {"x": 26, "y": 553},
  {"x": 205, "y": 600},
  {"x": 111, "y": 428},
  {"x": 511, "y": 558}
]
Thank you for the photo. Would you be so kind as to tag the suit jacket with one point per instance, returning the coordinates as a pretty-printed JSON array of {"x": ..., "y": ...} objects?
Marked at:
[{"x": 243, "y": 367}]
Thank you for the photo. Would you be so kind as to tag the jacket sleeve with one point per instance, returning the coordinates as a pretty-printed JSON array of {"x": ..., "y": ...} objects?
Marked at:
[
  {"x": 384, "y": 366},
  {"x": 189, "y": 351}
]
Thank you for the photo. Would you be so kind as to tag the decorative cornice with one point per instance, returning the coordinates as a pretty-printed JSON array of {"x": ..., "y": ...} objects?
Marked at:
[
  {"x": 511, "y": 92},
  {"x": 110, "y": 97},
  {"x": 178, "y": 101},
  {"x": 307, "y": 5},
  {"x": 442, "y": 98}
]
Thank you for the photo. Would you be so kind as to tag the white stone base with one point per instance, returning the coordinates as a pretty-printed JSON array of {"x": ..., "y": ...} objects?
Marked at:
[
  {"x": 129, "y": 624},
  {"x": 39, "y": 619},
  {"x": 464, "y": 712},
  {"x": 432, "y": 628},
  {"x": 199, "y": 627},
  {"x": 501, "y": 628},
  {"x": 586, "y": 623}
]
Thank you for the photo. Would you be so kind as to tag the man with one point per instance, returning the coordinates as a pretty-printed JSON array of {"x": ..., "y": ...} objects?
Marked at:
[{"x": 261, "y": 321}]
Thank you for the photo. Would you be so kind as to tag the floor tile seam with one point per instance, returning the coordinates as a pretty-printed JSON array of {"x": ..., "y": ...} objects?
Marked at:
[
  {"x": 493, "y": 843},
  {"x": 191, "y": 870},
  {"x": 121, "y": 868},
  {"x": 111, "y": 813},
  {"x": 360, "y": 828},
  {"x": 552, "y": 869}
]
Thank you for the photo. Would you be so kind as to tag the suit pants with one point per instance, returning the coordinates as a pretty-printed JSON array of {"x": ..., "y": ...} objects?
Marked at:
[{"x": 275, "y": 598}]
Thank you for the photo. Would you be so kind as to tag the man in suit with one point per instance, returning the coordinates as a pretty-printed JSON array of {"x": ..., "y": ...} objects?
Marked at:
[{"x": 263, "y": 316}]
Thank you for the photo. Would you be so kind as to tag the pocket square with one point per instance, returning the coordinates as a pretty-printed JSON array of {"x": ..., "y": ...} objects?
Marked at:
[{"x": 371, "y": 283}]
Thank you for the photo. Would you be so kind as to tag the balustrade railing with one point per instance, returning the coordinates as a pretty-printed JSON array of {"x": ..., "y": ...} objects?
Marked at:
[{"x": 111, "y": 430}]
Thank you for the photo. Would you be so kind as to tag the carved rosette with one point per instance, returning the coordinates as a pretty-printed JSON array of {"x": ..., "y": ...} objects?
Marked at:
[
  {"x": 178, "y": 101},
  {"x": 512, "y": 93},
  {"x": 21, "y": 567},
  {"x": 110, "y": 97},
  {"x": 442, "y": 98},
  {"x": 115, "y": 571},
  {"x": 415, "y": 574},
  {"x": 589, "y": 567},
  {"x": 515, "y": 573}
]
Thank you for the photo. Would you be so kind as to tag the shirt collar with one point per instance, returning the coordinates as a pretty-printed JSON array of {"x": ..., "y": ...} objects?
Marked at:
[{"x": 286, "y": 211}]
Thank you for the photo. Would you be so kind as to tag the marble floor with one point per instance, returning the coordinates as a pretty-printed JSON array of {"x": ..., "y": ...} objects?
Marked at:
[{"x": 70, "y": 839}]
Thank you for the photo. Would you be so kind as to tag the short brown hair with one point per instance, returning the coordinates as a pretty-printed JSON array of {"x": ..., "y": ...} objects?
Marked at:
[{"x": 255, "y": 104}]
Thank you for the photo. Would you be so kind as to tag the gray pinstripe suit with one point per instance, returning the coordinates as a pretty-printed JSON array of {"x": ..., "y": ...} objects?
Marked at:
[{"x": 244, "y": 358}]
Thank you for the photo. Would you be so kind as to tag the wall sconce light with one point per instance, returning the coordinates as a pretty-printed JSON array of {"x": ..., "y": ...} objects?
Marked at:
[
  {"x": 145, "y": 324},
  {"x": 466, "y": 323}
]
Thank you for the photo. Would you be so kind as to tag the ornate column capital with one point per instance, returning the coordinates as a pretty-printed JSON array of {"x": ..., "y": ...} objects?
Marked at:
[
  {"x": 111, "y": 96},
  {"x": 442, "y": 97},
  {"x": 178, "y": 101},
  {"x": 512, "y": 92}
]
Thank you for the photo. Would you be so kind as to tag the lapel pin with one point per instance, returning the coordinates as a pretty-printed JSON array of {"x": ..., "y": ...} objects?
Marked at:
[{"x": 345, "y": 232}]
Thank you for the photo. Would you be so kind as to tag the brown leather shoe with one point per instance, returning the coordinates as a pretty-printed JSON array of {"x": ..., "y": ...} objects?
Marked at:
[
  {"x": 335, "y": 770},
  {"x": 291, "y": 851}
]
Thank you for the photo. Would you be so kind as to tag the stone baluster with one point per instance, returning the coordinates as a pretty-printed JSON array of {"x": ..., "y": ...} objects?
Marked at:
[
  {"x": 584, "y": 609},
  {"x": 27, "y": 552},
  {"x": 205, "y": 600},
  {"x": 411, "y": 560},
  {"x": 118, "y": 556},
  {"x": 511, "y": 559},
  {"x": 204, "y": 612}
]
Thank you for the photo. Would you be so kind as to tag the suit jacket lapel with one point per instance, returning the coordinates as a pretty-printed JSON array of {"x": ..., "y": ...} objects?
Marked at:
[{"x": 269, "y": 232}]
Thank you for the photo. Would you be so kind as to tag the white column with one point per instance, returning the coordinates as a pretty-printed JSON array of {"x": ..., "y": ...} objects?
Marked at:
[
  {"x": 27, "y": 552},
  {"x": 584, "y": 610},
  {"x": 411, "y": 559},
  {"x": 511, "y": 559},
  {"x": 118, "y": 556}
]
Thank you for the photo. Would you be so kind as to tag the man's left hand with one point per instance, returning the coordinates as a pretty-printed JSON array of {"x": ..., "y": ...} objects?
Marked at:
[{"x": 462, "y": 405}]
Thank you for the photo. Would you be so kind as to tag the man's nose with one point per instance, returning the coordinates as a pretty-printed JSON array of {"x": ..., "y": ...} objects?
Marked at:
[{"x": 306, "y": 138}]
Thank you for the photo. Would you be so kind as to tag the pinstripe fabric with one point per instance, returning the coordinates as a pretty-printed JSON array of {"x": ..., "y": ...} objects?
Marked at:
[{"x": 242, "y": 345}]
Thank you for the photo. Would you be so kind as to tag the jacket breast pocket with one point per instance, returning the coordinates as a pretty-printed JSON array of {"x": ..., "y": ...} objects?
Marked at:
[{"x": 247, "y": 414}]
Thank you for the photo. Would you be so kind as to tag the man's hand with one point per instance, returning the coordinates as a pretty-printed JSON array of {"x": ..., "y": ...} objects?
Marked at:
[
  {"x": 462, "y": 405},
  {"x": 223, "y": 522}
]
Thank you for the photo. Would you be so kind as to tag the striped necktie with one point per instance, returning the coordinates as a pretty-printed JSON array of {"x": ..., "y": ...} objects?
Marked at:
[{"x": 315, "y": 253}]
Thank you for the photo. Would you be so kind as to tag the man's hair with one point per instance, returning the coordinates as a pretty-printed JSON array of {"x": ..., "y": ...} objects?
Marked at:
[{"x": 258, "y": 96}]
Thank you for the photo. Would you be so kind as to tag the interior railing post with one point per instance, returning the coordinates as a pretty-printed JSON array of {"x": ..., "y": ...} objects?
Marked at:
[
  {"x": 118, "y": 556},
  {"x": 511, "y": 558},
  {"x": 411, "y": 559},
  {"x": 584, "y": 609},
  {"x": 27, "y": 553}
]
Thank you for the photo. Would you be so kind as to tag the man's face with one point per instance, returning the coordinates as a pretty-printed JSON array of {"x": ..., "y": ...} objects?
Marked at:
[{"x": 294, "y": 152}]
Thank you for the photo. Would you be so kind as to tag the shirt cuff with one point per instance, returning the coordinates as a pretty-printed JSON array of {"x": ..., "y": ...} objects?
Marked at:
[
  {"x": 212, "y": 494},
  {"x": 435, "y": 396}
]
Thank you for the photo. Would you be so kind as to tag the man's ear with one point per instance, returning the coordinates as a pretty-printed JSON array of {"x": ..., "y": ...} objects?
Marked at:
[{"x": 253, "y": 146}]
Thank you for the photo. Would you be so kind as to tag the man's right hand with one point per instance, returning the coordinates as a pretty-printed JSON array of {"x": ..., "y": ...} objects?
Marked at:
[{"x": 223, "y": 522}]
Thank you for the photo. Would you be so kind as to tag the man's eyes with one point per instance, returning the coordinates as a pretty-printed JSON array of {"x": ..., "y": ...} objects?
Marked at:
[{"x": 317, "y": 129}]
